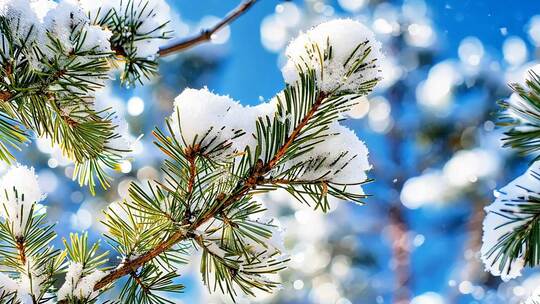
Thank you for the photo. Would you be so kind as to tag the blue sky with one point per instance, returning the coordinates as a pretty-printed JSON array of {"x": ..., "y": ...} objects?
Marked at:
[{"x": 250, "y": 71}]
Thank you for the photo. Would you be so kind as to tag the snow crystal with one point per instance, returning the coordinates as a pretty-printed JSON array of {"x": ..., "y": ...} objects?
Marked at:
[
  {"x": 204, "y": 118},
  {"x": 20, "y": 190},
  {"x": 61, "y": 20},
  {"x": 341, "y": 158},
  {"x": 504, "y": 217},
  {"x": 209, "y": 120},
  {"x": 97, "y": 39},
  {"x": 76, "y": 285},
  {"x": 249, "y": 116},
  {"x": 99, "y": 9},
  {"x": 345, "y": 41},
  {"x": 212, "y": 121},
  {"x": 160, "y": 15},
  {"x": 273, "y": 245},
  {"x": 277, "y": 241}
]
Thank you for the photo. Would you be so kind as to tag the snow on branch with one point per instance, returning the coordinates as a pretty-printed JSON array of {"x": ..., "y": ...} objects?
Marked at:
[
  {"x": 521, "y": 115},
  {"x": 79, "y": 287},
  {"x": 343, "y": 53},
  {"x": 28, "y": 261},
  {"x": 20, "y": 194},
  {"x": 215, "y": 123},
  {"x": 511, "y": 226},
  {"x": 139, "y": 28},
  {"x": 534, "y": 298}
]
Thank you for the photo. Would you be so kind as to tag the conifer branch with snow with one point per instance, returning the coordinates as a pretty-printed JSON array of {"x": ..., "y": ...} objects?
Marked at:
[
  {"x": 511, "y": 228},
  {"x": 29, "y": 263},
  {"x": 220, "y": 157},
  {"x": 55, "y": 56}
]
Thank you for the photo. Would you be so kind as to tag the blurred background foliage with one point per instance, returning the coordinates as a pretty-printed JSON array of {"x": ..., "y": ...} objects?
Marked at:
[{"x": 430, "y": 127}]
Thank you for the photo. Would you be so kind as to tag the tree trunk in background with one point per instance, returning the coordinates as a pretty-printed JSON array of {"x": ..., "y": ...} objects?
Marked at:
[
  {"x": 473, "y": 264},
  {"x": 401, "y": 254},
  {"x": 472, "y": 270},
  {"x": 399, "y": 229}
]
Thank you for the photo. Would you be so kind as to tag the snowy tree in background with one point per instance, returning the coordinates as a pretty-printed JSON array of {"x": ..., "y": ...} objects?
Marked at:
[
  {"x": 511, "y": 238},
  {"x": 220, "y": 156}
]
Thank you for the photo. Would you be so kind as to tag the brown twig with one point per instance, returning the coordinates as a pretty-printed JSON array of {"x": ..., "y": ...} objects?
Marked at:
[
  {"x": 254, "y": 179},
  {"x": 191, "y": 155},
  {"x": 132, "y": 265},
  {"x": 137, "y": 279},
  {"x": 5, "y": 96},
  {"x": 206, "y": 35},
  {"x": 19, "y": 242}
]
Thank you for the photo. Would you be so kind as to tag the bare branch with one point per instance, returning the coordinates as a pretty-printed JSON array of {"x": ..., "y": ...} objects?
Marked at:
[{"x": 206, "y": 35}]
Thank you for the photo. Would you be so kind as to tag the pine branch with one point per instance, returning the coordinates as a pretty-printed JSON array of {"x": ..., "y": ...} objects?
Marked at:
[
  {"x": 254, "y": 179},
  {"x": 48, "y": 83},
  {"x": 520, "y": 115},
  {"x": 52, "y": 95},
  {"x": 25, "y": 238},
  {"x": 316, "y": 105},
  {"x": 206, "y": 35}
]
